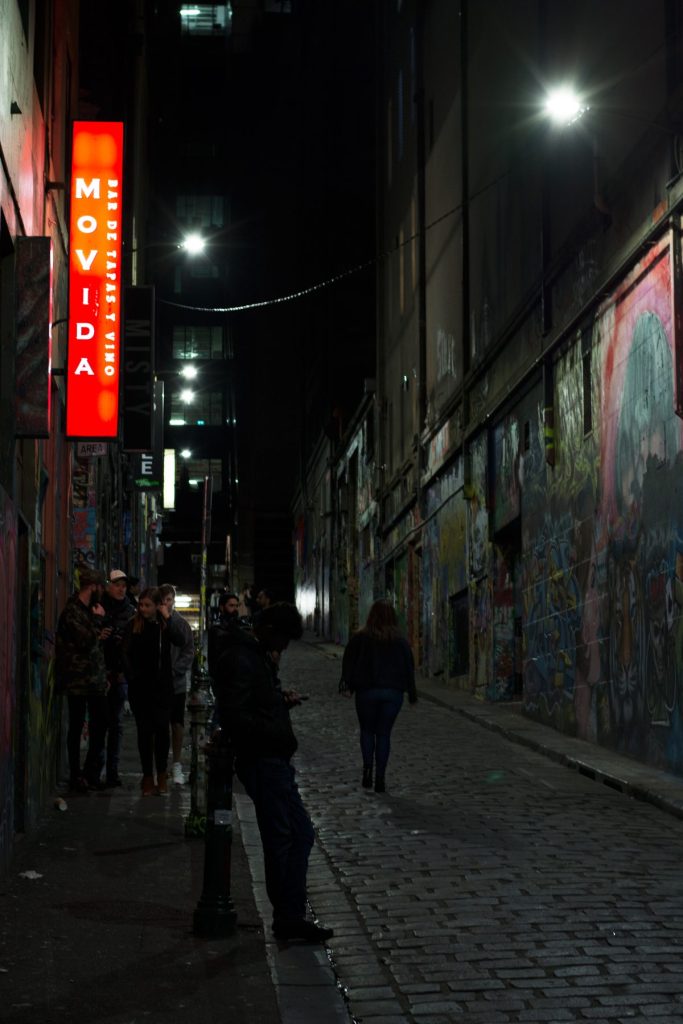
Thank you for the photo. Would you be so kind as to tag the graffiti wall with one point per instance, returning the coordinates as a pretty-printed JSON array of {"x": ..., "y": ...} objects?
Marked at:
[
  {"x": 603, "y": 533},
  {"x": 43, "y": 706},
  {"x": 444, "y": 564},
  {"x": 84, "y": 504},
  {"x": 8, "y": 563}
]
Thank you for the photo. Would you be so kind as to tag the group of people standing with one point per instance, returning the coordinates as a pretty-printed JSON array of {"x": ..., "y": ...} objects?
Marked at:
[
  {"x": 110, "y": 653},
  {"x": 114, "y": 653}
]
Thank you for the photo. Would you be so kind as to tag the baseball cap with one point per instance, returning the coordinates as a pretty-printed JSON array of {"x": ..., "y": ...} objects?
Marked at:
[{"x": 117, "y": 574}]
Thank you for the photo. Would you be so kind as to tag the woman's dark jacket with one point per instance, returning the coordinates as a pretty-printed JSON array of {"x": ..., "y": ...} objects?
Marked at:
[
  {"x": 147, "y": 660},
  {"x": 379, "y": 664},
  {"x": 251, "y": 706}
]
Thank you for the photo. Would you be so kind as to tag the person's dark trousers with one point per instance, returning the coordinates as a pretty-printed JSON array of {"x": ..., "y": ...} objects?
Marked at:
[
  {"x": 286, "y": 832},
  {"x": 115, "y": 702},
  {"x": 96, "y": 708},
  {"x": 377, "y": 711},
  {"x": 154, "y": 735}
]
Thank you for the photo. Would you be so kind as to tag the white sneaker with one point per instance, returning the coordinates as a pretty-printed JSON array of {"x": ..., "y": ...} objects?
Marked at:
[{"x": 177, "y": 774}]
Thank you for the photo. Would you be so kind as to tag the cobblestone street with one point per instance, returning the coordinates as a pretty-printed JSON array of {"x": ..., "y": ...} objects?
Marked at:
[{"x": 489, "y": 884}]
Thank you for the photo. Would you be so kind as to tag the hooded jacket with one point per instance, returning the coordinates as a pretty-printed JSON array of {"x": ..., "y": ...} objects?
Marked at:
[{"x": 251, "y": 706}]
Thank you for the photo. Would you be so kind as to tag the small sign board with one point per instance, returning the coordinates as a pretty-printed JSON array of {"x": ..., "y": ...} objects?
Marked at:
[{"x": 87, "y": 449}]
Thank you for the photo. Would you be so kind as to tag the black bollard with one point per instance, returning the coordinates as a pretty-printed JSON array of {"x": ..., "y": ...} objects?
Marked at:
[{"x": 215, "y": 916}]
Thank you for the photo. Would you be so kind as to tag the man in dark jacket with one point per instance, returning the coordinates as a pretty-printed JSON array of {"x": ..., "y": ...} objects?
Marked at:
[
  {"x": 80, "y": 675},
  {"x": 119, "y": 610},
  {"x": 220, "y": 633},
  {"x": 254, "y": 712}
]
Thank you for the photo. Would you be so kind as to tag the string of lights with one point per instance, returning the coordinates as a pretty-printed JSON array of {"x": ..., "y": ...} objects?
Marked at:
[{"x": 337, "y": 277}]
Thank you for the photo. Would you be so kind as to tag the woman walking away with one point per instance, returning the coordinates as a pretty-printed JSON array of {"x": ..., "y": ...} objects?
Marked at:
[
  {"x": 378, "y": 668},
  {"x": 147, "y": 663}
]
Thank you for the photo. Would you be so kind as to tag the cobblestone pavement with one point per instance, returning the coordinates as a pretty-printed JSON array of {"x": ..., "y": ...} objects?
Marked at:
[{"x": 489, "y": 884}]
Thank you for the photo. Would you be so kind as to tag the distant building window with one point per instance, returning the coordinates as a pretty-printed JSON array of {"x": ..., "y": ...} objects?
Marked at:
[
  {"x": 198, "y": 342},
  {"x": 201, "y": 211},
  {"x": 204, "y": 410},
  {"x": 278, "y": 6},
  {"x": 399, "y": 114},
  {"x": 197, "y": 469},
  {"x": 205, "y": 19}
]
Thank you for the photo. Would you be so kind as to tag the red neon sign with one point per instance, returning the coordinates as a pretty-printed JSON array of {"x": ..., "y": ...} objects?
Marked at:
[{"x": 93, "y": 370}]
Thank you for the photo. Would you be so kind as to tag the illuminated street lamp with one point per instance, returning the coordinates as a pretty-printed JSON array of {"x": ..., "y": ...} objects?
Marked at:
[
  {"x": 193, "y": 244},
  {"x": 187, "y": 396},
  {"x": 564, "y": 106},
  {"x": 189, "y": 372},
  {"x": 186, "y": 454}
]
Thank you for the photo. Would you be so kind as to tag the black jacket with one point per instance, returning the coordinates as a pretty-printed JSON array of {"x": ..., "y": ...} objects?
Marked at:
[
  {"x": 147, "y": 660},
  {"x": 378, "y": 664},
  {"x": 219, "y": 638},
  {"x": 117, "y": 614},
  {"x": 251, "y": 706}
]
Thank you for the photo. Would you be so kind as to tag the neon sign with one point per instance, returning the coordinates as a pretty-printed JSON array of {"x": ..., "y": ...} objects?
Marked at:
[{"x": 93, "y": 364}]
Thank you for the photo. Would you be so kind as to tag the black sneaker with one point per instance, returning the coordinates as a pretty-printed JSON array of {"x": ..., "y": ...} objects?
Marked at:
[
  {"x": 113, "y": 781},
  {"x": 304, "y": 931},
  {"x": 78, "y": 785}
]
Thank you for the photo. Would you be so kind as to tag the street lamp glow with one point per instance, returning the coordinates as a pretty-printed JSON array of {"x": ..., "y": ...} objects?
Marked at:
[
  {"x": 194, "y": 244},
  {"x": 187, "y": 396},
  {"x": 189, "y": 372},
  {"x": 185, "y": 453},
  {"x": 564, "y": 106}
]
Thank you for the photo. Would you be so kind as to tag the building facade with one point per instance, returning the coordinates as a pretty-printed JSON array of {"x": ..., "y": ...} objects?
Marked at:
[{"x": 528, "y": 423}]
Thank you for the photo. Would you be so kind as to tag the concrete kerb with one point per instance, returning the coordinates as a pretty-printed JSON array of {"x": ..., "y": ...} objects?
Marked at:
[{"x": 638, "y": 781}]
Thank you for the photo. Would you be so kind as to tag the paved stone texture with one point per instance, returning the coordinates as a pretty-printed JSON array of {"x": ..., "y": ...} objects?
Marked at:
[{"x": 489, "y": 883}]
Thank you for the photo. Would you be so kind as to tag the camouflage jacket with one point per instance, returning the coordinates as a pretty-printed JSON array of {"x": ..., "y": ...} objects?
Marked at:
[{"x": 79, "y": 658}]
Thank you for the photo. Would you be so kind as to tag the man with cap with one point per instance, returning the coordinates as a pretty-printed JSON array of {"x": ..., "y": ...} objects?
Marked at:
[
  {"x": 118, "y": 611},
  {"x": 80, "y": 675}
]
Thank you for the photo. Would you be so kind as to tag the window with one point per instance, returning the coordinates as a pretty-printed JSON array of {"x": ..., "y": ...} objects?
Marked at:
[
  {"x": 205, "y": 409},
  {"x": 459, "y": 645},
  {"x": 399, "y": 114},
  {"x": 587, "y": 394},
  {"x": 205, "y": 19},
  {"x": 197, "y": 469},
  {"x": 201, "y": 211},
  {"x": 198, "y": 342},
  {"x": 40, "y": 49}
]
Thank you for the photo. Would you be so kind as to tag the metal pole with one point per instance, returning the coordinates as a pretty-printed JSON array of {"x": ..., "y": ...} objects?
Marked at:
[
  {"x": 200, "y": 708},
  {"x": 206, "y": 538},
  {"x": 200, "y": 703},
  {"x": 214, "y": 914}
]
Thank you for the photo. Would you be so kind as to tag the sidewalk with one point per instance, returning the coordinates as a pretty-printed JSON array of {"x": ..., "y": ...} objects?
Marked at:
[
  {"x": 99, "y": 928},
  {"x": 637, "y": 780}
]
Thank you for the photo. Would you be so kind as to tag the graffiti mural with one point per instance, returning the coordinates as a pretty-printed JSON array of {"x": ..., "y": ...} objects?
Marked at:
[
  {"x": 444, "y": 563},
  {"x": 603, "y": 534},
  {"x": 84, "y": 503}
]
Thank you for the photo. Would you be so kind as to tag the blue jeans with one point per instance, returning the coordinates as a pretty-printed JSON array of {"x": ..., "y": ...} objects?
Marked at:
[
  {"x": 286, "y": 832},
  {"x": 377, "y": 711}
]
